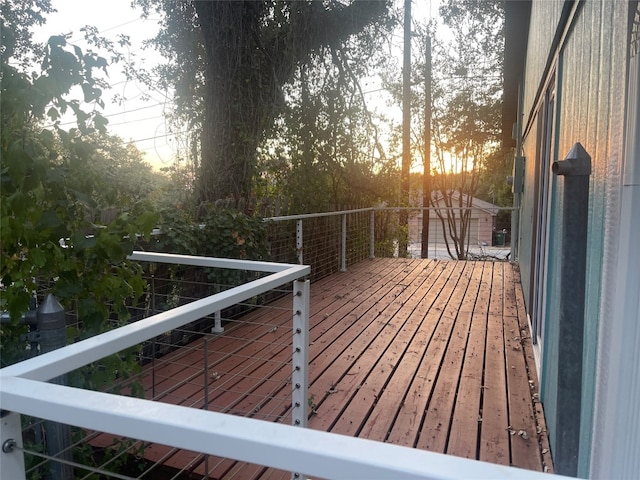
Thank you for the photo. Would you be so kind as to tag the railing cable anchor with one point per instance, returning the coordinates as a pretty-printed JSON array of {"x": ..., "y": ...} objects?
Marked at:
[{"x": 9, "y": 445}]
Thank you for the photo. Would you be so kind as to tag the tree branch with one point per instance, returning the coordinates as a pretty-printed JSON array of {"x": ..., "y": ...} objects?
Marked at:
[{"x": 320, "y": 27}]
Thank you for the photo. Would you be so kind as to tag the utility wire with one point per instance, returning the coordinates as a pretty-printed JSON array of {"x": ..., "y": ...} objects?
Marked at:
[
  {"x": 157, "y": 136},
  {"x": 135, "y": 121},
  {"x": 113, "y": 114},
  {"x": 137, "y": 19}
]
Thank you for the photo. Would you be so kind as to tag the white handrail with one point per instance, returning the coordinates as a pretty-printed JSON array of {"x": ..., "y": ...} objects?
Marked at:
[
  {"x": 38, "y": 370},
  {"x": 303, "y": 216},
  {"x": 58, "y": 362}
]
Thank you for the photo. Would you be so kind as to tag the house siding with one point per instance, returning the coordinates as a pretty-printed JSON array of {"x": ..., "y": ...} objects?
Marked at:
[
  {"x": 526, "y": 216},
  {"x": 593, "y": 106},
  {"x": 546, "y": 15},
  {"x": 617, "y": 423},
  {"x": 591, "y": 72},
  {"x": 480, "y": 229}
]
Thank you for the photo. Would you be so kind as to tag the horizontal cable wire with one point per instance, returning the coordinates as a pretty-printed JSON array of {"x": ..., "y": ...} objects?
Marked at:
[{"x": 75, "y": 464}]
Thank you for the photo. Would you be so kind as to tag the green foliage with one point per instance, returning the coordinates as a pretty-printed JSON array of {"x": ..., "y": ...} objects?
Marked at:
[
  {"x": 118, "y": 456},
  {"x": 179, "y": 233},
  {"x": 325, "y": 150},
  {"x": 17, "y": 19},
  {"x": 221, "y": 232},
  {"x": 177, "y": 191},
  {"x": 466, "y": 107},
  {"x": 123, "y": 177},
  {"x": 48, "y": 240},
  {"x": 389, "y": 234},
  {"x": 54, "y": 185},
  {"x": 33, "y": 463},
  {"x": 228, "y": 233},
  {"x": 493, "y": 185}
]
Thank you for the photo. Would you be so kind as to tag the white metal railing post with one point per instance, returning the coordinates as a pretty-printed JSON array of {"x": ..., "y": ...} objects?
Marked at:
[
  {"x": 299, "y": 240},
  {"x": 343, "y": 256},
  {"x": 300, "y": 359},
  {"x": 299, "y": 378},
  {"x": 217, "y": 326},
  {"x": 372, "y": 234},
  {"x": 12, "y": 458}
]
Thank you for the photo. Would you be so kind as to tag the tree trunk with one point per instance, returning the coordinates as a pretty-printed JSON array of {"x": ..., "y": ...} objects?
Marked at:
[{"x": 239, "y": 99}]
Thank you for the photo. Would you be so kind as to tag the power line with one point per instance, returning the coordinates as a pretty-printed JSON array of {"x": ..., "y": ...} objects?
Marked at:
[
  {"x": 135, "y": 109},
  {"x": 137, "y": 19},
  {"x": 128, "y": 80},
  {"x": 112, "y": 114},
  {"x": 381, "y": 89},
  {"x": 134, "y": 121},
  {"x": 157, "y": 136}
]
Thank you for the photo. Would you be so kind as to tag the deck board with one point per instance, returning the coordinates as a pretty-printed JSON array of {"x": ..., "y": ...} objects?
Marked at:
[
  {"x": 391, "y": 402},
  {"x": 438, "y": 420},
  {"x": 422, "y": 353},
  {"x": 465, "y": 421},
  {"x": 494, "y": 438},
  {"x": 370, "y": 360},
  {"x": 407, "y": 426}
]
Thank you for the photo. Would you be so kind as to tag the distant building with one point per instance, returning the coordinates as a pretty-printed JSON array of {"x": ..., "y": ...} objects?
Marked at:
[{"x": 481, "y": 225}]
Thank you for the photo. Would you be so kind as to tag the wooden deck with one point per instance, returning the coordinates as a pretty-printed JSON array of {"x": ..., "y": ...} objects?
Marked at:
[{"x": 428, "y": 354}]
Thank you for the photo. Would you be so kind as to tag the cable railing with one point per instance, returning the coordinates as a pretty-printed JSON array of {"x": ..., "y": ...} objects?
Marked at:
[
  {"x": 184, "y": 321},
  {"x": 150, "y": 422},
  {"x": 331, "y": 241},
  {"x": 214, "y": 436}
]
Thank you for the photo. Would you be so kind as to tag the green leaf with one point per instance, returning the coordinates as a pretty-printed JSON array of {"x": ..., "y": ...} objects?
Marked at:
[
  {"x": 82, "y": 241},
  {"x": 18, "y": 162},
  {"x": 68, "y": 289},
  {"x": 57, "y": 41},
  {"x": 49, "y": 220},
  {"x": 101, "y": 63},
  {"x": 38, "y": 257},
  {"x": 146, "y": 222},
  {"x": 53, "y": 114},
  {"x": 100, "y": 121},
  {"x": 18, "y": 203},
  {"x": 114, "y": 246}
]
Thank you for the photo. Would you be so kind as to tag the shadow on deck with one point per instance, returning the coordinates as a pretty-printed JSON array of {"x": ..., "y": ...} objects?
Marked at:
[{"x": 428, "y": 354}]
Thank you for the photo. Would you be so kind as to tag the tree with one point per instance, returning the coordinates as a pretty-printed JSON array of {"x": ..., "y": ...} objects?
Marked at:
[
  {"x": 48, "y": 241},
  {"x": 467, "y": 112},
  {"x": 325, "y": 150},
  {"x": 248, "y": 51},
  {"x": 18, "y": 20},
  {"x": 123, "y": 177},
  {"x": 466, "y": 91},
  {"x": 178, "y": 190}
]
